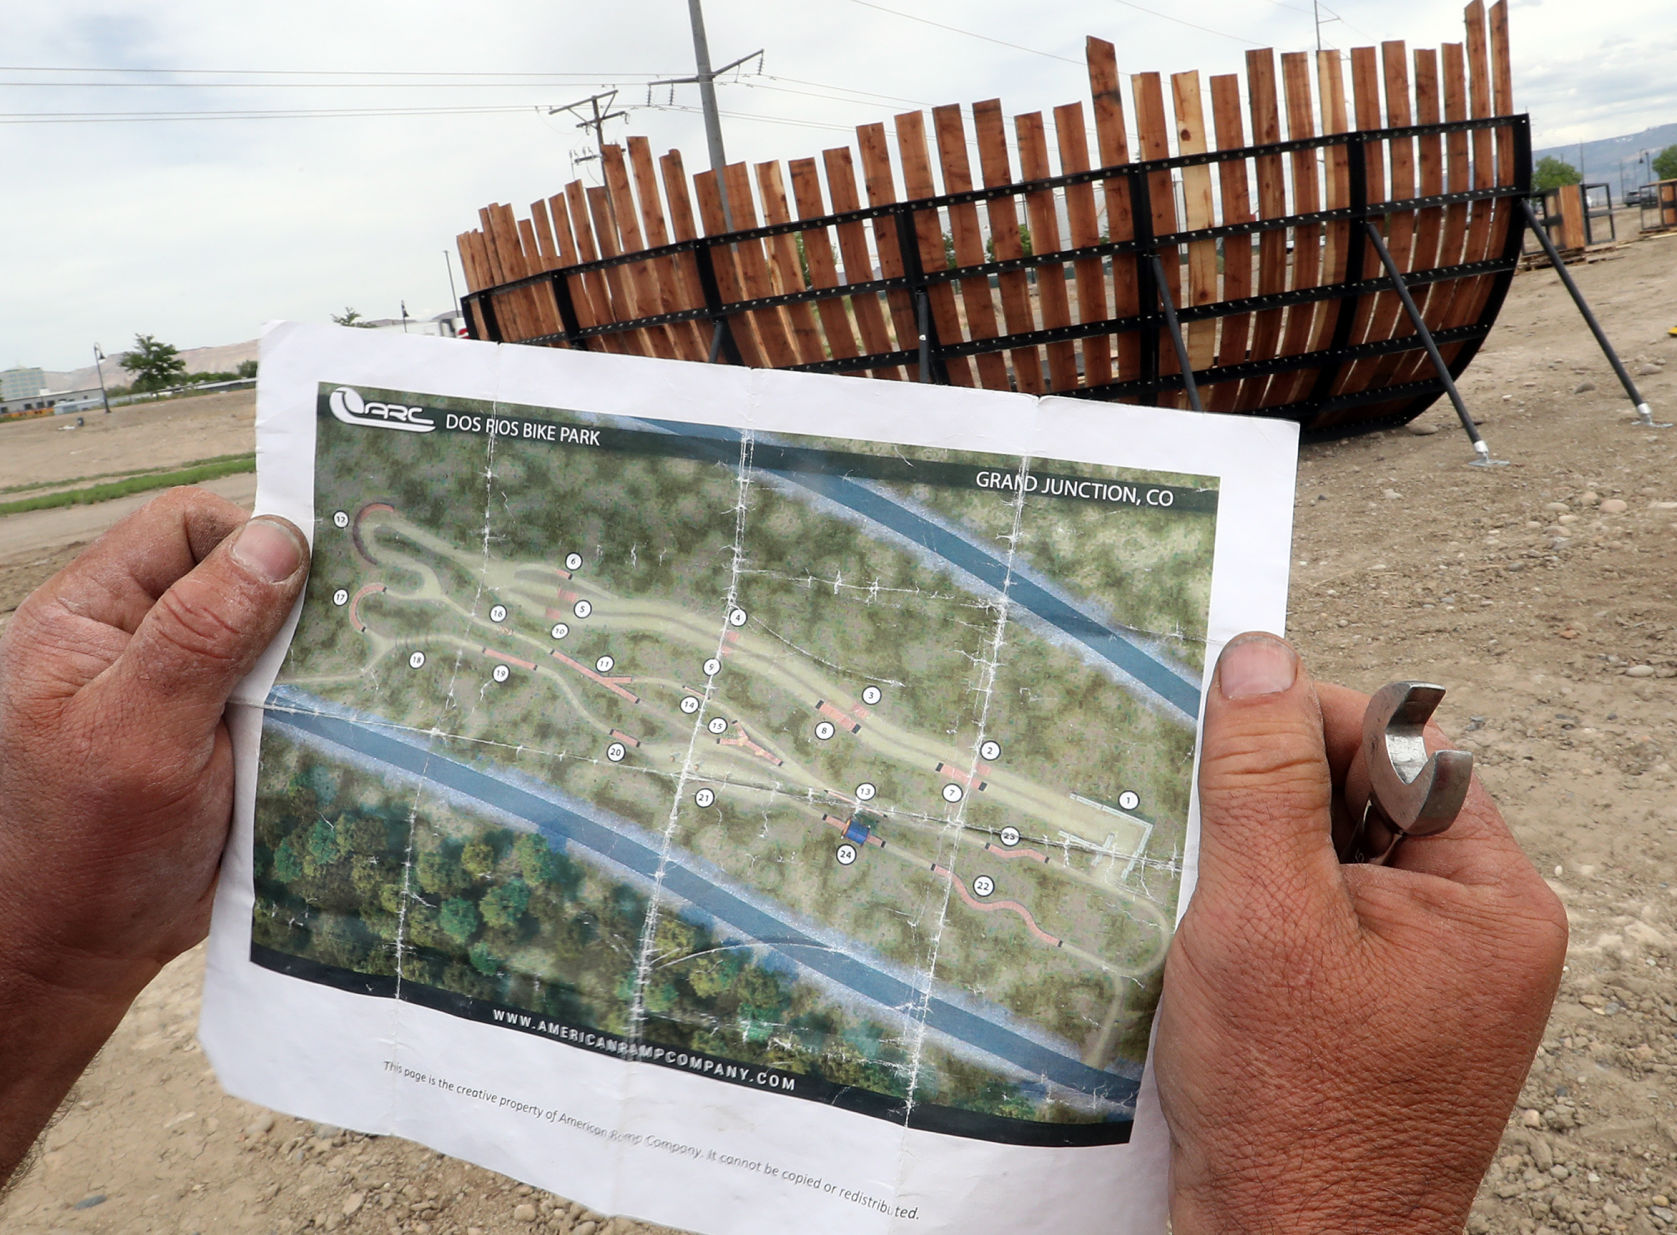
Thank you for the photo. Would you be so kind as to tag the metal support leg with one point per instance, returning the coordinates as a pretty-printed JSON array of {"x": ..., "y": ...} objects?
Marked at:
[
  {"x": 1482, "y": 451},
  {"x": 922, "y": 318},
  {"x": 1175, "y": 327},
  {"x": 1645, "y": 415}
]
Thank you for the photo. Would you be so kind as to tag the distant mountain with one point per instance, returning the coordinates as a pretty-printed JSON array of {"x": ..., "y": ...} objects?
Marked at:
[{"x": 1616, "y": 161}]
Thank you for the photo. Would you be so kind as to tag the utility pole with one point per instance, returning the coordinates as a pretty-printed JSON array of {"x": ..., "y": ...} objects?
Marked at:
[
  {"x": 98, "y": 368},
  {"x": 596, "y": 121},
  {"x": 705, "y": 77},
  {"x": 1316, "y": 10}
]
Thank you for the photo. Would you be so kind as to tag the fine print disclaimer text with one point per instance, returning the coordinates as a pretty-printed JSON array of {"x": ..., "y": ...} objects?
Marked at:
[{"x": 720, "y": 1157}]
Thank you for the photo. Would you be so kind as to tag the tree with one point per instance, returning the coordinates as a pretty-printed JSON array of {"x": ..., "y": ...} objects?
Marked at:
[
  {"x": 505, "y": 905},
  {"x": 1665, "y": 164},
  {"x": 349, "y": 317},
  {"x": 478, "y": 858},
  {"x": 459, "y": 919},
  {"x": 1552, "y": 173},
  {"x": 245, "y": 368},
  {"x": 154, "y": 364}
]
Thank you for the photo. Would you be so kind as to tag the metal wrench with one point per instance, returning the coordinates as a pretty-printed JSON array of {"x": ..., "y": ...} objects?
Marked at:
[{"x": 1410, "y": 792}]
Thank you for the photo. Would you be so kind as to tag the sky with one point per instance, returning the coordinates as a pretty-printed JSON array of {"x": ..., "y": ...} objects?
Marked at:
[{"x": 198, "y": 230}]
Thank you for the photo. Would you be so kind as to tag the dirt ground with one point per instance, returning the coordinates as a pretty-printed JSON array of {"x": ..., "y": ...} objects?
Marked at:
[{"x": 1540, "y": 593}]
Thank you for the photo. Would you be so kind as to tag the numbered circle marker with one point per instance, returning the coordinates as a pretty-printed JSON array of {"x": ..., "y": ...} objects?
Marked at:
[
  {"x": 498, "y": 613},
  {"x": 1010, "y": 836},
  {"x": 872, "y": 695},
  {"x": 712, "y": 667},
  {"x": 717, "y": 726},
  {"x": 865, "y": 791},
  {"x": 573, "y": 561},
  {"x": 340, "y": 518},
  {"x": 705, "y": 798},
  {"x": 501, "y": 674},
  {"x": 340, "y": 597},
  {"x": 690, "y": 704},
  {"x": 1129, "y": 799},
  {"x": 616, "y": 751},
  {"x": 582, "y": 608},
  {"x": 846, "y": 855},
  {"x": 825, "y": 730},
  {"x": 416, "y": 661},
  {"x": 604, "y": 664},
  {"x": 560, "y": 630},
  {"x": 736, "y": 617},
  {"x": 952, "y": 793},
  {"x": 991, "y": 750},
  {"x": 983, "y": 886}
]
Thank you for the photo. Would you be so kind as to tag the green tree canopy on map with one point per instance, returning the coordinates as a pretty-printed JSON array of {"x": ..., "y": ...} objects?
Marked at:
[
  {"x": 502, "y": 907},
  {"x": 484, "y": 960},
  {"x": 536, "y": 861},
  {"x": 460, "y": 919},
  {"x": 478, "y": 858},
  {"x": 288, "y": 861},
  {"x": 323, "y": 843},
  {"x": 440, "y": 874}
]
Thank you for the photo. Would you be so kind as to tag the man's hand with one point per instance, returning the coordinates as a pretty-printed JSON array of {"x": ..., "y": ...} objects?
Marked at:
[
  {"x": 1339, "y": 1046},
  {"x": 116, "y": 774}
]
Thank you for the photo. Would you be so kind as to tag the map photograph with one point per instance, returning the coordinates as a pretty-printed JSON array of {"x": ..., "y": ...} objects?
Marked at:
[{"x": 850, "y": 771}]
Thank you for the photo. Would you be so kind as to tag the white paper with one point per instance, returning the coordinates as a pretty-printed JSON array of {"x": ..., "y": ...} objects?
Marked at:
[{"x": 741, "y": 800}]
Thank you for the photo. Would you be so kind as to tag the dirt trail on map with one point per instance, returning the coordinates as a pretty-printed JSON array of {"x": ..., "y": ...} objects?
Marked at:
[{"x": 1540, "y": 594}]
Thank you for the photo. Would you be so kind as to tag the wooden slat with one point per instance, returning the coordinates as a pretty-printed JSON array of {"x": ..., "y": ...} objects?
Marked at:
[
  {"x": 783, "y": 252},
  {"x": 474, "y": 262},
  {"x": 676, "y": 286},
  {"x": 1153, "y": 139},
  {"x": 1441, "y": 299},
  {"x": 1502, "y": 104},
  {"x": 1112, "y": 149},
  {"x": 773, "y": 330},
  {"x": 588, "y": 294},
  {"x": 1267, "y": 328},
  {"x": 918, "y": 183},
  {"x": 684, "y": 226},
  {"x": 1365, "y": 93},
  {"x": 882, "y": 191},
  {"x": 1481, "y": 229},
  {"x": 1199, "y": 211},
  {"x": 1238, "y": 251},
  {"x": 1392, "y": 321},
  {"x": 1052, "y": 300},
  {"x": 508, "y": 262},
  {"x": 546, "y": 309},
  {"x": 1330, "y": 90},
  {"x": 1005, "y": 240},
  {"x": 1430, "y": 223},
  {"x": 607, "y": 289},
  {"x": 1073, "y": 138},
  {"x": 626, "y": 290},
  {"x": 1307, "y": 250},
  {"x": 823, "y": 263},
  {"x": 730, "y": 277},
  {"x": 858, "y": 263},
  {"x": 969, "y": 245}
]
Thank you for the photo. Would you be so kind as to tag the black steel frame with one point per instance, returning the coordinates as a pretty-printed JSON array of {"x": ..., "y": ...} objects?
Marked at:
[{"x": 1163, "y": 319}]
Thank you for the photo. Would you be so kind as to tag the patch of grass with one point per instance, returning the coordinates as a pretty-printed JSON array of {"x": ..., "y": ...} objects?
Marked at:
[
  {"x": 82, "y": 480},
  {"x": 197, "y": 473}
]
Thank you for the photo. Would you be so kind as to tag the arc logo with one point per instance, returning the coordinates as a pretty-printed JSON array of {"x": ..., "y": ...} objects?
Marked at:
[{"x": 348, "y": 406}]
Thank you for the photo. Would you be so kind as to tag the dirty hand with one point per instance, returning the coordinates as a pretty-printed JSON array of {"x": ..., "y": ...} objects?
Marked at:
[
  {"x": 1339, "y": 1046},
  {"x": 116, "y": 774}
]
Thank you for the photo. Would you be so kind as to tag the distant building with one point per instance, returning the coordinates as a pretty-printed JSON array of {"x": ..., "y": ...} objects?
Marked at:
[{"x": 16, "y": 385}]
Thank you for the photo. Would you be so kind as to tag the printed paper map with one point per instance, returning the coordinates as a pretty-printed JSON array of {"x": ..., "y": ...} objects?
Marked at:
[{"x": 854, "y": 774}]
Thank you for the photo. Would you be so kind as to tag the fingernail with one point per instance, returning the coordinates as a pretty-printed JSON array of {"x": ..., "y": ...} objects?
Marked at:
[
  {"x": 268, "y": 549},
  {"x": 1256, "y": 664}
]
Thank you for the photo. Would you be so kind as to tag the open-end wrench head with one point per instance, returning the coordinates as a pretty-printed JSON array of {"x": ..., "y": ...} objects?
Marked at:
[{"x": 1420, "y": 794}]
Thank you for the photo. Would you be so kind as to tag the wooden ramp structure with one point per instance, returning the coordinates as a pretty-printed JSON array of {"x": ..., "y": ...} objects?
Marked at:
[{"x": 1235, "y": 244}]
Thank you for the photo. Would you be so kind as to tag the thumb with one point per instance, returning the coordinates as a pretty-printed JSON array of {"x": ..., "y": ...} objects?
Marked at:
[
  {"x": 1266, "y": 790},
  {"x": 207, "y": 630}
]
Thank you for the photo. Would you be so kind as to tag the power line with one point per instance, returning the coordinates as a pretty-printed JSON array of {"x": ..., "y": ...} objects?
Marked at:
[
  {"x": 283, "y": 85},
  {"x": 41, "y": 68},
  {"x": 971, "y": 34},
  {"x": 131, "y": 117},
  {"x": 1222, "y": 34}
]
